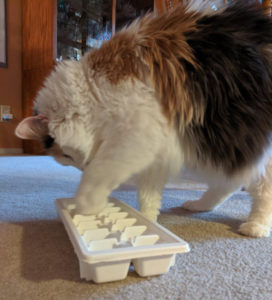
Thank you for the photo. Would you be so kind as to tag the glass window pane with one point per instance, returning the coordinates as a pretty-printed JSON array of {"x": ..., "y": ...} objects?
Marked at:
[{"x": 85, "y": 24}]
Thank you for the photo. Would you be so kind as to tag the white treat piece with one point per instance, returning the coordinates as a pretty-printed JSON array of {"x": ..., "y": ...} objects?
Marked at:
[
  {"x": 81, "y": 218},
  {"x": 145, "y": 240},
  {"x": 101, "y": 245},
  {"x": 131, "y": 232},
  {"x": 107, "y": 211},
  {"x": 113, "y": 217},
  {"x": 121, "y": 224},
  {"x": 95, "y": 234},
  {"x": 87, "y": 225}
]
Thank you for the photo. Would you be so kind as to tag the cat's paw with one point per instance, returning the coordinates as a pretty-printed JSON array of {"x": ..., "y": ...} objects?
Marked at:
[
  {"x": 87, "y": 211},
  {"x": 196, "y": 205},
  {"x": 254, "y": 229},
  {"x": 83, "y": 208},
  {"x": 151, "y": 215}
]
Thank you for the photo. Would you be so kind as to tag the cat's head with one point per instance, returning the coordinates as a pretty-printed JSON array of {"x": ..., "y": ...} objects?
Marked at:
[
  {"x": 36, "y": 128},
  {"x": 62, "y": 120}
]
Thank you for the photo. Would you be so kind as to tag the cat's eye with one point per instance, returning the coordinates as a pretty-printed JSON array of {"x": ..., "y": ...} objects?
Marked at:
[{"x": 48, "y": 142}]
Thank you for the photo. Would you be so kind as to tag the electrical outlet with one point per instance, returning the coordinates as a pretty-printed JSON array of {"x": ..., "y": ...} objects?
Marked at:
[
  {"x": 5, "y": 114},
  {"x": 5, "y": 109}
]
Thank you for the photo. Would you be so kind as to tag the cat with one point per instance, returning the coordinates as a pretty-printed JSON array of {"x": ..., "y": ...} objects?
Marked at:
[{"x": 189, "y": 89}]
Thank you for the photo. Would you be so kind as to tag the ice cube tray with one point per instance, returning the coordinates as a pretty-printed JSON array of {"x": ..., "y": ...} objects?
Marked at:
[{"x": 107, "y": 244}]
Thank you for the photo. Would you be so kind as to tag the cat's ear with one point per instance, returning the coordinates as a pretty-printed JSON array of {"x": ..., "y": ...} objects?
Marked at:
[{"x": 32, "y": 128}]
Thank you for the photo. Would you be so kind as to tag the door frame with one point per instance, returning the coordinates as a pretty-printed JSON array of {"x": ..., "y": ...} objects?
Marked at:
[{"x": 39, "y": 50}]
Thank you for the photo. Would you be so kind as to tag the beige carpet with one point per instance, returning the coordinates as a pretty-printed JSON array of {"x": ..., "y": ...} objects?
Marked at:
[{"x": 37, "y": 259}]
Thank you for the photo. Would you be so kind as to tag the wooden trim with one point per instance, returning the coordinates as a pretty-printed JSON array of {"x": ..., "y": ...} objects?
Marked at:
[
  {"x": 55, "y": 29},
  {"x": 4, "y": 151},
  {"x": 113, "y": 20},
  {"x": 5, "y": 64},
  {"x": 160, "y": 6},
  {"x": 38, "y": 54}
]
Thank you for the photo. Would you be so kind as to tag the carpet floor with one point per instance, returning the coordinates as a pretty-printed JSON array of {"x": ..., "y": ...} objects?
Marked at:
[{"x": 37, "y": 260}]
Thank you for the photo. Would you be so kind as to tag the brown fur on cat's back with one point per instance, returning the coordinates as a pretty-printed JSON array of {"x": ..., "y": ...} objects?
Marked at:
[
  {"x": 165, "y": 49},
  {"x": 154, "y": 46},
  {"x": 116, "y": 59}
]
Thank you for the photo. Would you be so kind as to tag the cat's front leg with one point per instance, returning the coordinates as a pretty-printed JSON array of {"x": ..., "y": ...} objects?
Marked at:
[
  {"x": 113, "y": 164},
  {"x": 150, "y": 186},
  {"x": 91, "y": 196}
]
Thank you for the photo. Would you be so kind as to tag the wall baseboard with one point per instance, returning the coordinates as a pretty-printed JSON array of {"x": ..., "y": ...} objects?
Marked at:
[{"x": 11, "y": 151}]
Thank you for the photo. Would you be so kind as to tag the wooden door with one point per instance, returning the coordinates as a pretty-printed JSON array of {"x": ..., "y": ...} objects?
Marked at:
[{"x": 39, "y": 22}]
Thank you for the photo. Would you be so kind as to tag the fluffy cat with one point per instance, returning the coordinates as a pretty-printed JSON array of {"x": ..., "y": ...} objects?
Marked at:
[{"x": 188, "y": 89}]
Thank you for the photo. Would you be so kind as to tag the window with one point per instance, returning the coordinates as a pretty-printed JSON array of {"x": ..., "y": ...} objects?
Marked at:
[{"x": 85, "y": 24}]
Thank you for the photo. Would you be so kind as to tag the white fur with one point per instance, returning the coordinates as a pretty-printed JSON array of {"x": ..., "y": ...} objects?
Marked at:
[{"x": 113, "y": 132}]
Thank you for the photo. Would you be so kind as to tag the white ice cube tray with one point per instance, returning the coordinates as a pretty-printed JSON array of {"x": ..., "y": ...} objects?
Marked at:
[{"x": 107, "y": 243}]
